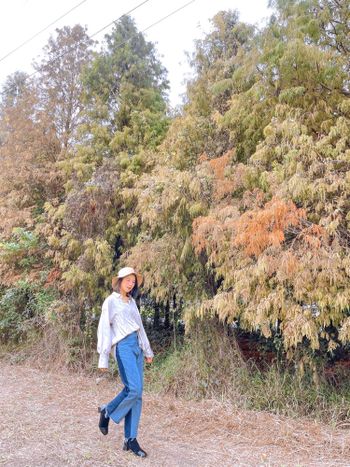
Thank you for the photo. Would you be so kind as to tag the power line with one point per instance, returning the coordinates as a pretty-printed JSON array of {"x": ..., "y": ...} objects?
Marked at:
[
  {"x": 124, "y": 42},
  {"x": 41, "y": 31},
  {"x": 120, "y": 17},
  {"x": 168, "y": 16},
  {"x": 94, "y": 34},
  {"x": 148, "y": 27}
]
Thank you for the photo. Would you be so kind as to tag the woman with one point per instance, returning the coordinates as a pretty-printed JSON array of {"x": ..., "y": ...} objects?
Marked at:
[{"x": 121, "y": 332}]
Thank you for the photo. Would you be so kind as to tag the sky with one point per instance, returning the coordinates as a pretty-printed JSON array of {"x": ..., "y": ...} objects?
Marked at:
[{"x": 21, "y": 19}]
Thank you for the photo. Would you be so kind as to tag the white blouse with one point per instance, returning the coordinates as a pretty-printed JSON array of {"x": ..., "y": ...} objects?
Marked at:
[{"x": 119, "y": 319}]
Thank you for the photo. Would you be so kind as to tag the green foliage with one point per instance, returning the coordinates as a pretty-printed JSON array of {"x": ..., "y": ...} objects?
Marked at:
[
  {"x": 22, "y": 310},
  {"x": 60, "y": 84},
  {"x": 21, "y": 250},
  {"x": 235, "y": 208},
  {"x": 13, "y": 89},
  {"x": 197, "y": 370},
  {"x": 124, "y": 119},
  {"x": 125, "y": 88},
  {"x": 23, "y": 240},
  {"x": 285, "y": 125}
]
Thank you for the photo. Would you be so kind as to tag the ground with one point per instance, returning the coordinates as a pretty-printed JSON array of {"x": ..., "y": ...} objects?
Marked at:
[{"x": 49, "y": 418}]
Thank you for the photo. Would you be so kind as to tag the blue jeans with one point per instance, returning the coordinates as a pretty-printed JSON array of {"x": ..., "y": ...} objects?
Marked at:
[{"x": 128, "y": 403}]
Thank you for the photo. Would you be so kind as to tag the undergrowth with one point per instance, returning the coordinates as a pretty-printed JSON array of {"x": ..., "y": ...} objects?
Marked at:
[{"x": 210, "y": 365}]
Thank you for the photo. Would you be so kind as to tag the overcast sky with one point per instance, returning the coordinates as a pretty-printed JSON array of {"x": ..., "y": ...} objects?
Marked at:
[{"x": 21, "y": 19}]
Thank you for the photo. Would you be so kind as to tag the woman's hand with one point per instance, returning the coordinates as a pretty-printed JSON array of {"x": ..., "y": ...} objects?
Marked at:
[
  {"x": 103, "y": 370},
  {"x": 149, "y": 359}
]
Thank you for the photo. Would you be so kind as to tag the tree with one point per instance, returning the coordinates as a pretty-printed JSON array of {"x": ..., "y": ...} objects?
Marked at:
[
  {"x": 282, "y": 252},
  {"x": 127, "y": 58},
  {"x": 60, "y": 85},
  {"x": 261, "y": 226},
  {"x": 28, "y": 152},
  {"x": 13, "y": 89},
  {"x": 125, "y": 119}
]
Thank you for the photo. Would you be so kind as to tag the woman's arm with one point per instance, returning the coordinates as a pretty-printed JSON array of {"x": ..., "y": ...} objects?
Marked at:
[{"x": 104, "y": 334}]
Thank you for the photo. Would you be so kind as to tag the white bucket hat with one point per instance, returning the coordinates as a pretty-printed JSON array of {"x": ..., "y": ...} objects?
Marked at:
[{"x": 125, "y": 272}]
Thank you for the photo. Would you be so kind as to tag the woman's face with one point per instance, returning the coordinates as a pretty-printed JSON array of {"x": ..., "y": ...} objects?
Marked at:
[{"x": 127, "y": 283}]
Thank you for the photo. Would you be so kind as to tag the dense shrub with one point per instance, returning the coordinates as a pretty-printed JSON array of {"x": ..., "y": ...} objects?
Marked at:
[{"x": 22, "y": 310}]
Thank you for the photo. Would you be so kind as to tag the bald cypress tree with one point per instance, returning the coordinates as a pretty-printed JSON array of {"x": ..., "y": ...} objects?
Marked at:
[{"x": 125, "y": 118}]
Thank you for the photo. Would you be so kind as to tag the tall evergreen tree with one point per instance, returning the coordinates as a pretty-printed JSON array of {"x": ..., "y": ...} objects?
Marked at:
[
  {"x": 125, "y": 118},
  {"x": 60, "y": 85}
]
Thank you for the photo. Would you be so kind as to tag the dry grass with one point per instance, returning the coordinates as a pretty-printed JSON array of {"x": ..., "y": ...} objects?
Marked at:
[{"x": 49, "y": 418}]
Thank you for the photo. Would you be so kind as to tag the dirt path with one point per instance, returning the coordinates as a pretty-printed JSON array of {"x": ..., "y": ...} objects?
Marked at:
[{"x": 50, "y": 419}]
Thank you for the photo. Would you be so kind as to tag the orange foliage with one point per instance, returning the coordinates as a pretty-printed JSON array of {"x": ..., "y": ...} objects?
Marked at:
[
  {"x": 253, "y": 199},
  {"x": 219, "y": 164},
  {"x": 313, "y": 235},
  {"x": 223, "y": 185},
  {"x": 204, "y": 227},
  {"x": 28, "y": 153},
  {"x": 202, "y": 158},
  {"x": 212, "y": 233},
  {"x": 52, "y": 277},
  {"x": 260, "y": 228}
]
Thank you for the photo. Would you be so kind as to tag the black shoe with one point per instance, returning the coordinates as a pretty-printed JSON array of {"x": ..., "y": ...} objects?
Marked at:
[
  {"x": 132, "y": 445},
  {"x": 103, "y": 423}
]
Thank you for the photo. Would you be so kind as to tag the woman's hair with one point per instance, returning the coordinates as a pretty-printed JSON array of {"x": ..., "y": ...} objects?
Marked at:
[{"x": 116, "y": 286}]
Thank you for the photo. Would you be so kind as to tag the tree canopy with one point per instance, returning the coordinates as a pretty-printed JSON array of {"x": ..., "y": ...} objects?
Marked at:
[{"x": 236, "y": 207}]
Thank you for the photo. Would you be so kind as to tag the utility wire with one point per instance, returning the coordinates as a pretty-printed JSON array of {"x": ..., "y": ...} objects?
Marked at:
[
  {"x": 168, "y": 16},
  {"x": 41, "y": 31},
  {"x": 93, "y": 35},
  {"x": 124, "y": 42},
  {"x": 120, "y": 17}
]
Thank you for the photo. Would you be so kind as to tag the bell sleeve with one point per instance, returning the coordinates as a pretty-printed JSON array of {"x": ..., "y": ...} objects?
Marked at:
[{"x": 104, "y": 334}]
